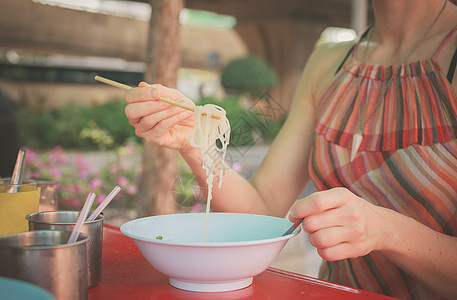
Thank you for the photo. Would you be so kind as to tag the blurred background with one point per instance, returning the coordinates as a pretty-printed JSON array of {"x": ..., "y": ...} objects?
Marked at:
[{"x": 243, "y": 55}]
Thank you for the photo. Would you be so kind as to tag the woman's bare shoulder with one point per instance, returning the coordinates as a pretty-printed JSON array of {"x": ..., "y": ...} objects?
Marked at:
[
  {"x": 330, "y": 55},
  {"x": 321, "y": 66}
]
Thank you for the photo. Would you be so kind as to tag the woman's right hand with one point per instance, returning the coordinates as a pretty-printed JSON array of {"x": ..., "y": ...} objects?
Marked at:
[{"x": 157, "y": 122}]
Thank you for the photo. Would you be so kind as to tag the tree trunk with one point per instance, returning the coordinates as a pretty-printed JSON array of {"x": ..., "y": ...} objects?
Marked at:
[{"x": 160, "y": 165}]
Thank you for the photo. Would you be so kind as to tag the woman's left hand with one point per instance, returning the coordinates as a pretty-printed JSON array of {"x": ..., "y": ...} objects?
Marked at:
[{"x": 340, "y": 224}]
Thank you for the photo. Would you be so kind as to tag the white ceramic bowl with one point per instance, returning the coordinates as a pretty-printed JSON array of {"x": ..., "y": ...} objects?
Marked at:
[{"x": 237, "y": 247}]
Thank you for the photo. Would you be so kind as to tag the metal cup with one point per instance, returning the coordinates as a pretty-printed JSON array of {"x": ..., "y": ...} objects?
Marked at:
[
  {"x": 66, "y": 220},
  {"x": 44, "y": 258},
  {"x": 48, "y": 198}
]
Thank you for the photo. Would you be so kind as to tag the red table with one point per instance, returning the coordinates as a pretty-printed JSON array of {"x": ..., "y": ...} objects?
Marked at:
[{"x": 127, "y": 275}]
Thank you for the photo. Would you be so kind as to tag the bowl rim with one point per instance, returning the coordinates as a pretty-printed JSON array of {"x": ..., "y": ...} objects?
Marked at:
[{"x": 207, "y": 244}]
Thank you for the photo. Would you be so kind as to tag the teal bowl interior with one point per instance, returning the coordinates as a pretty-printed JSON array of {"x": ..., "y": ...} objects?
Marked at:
[{"x": 224, "y": 228}]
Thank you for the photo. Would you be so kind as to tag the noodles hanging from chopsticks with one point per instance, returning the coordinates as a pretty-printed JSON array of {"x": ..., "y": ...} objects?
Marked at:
[{"x": 207, "y": 132}]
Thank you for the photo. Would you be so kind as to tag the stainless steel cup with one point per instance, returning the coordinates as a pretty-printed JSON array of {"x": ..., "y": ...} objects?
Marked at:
[
  {"x": 44, "y": 258},
  {"x": 66, "y": 220},
  {"x": 48, "y": 198}
]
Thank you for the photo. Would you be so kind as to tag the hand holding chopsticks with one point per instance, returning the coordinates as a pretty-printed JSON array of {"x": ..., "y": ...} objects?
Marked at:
[{"x": 163, "y": 99}]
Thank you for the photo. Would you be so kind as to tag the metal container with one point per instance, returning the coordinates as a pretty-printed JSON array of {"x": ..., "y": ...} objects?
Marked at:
[
  {"x": 66, "y": 220},
  {"x": 48, "y": 198},
  {"x": 45, "y": 259}
]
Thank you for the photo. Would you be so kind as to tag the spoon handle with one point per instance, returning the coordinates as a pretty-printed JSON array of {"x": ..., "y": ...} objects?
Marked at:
[
  {"x": 18, "y": 171},
  {"x": 293, "y": 227}
]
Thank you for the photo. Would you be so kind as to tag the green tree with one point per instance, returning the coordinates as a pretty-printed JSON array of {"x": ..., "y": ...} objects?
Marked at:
[{"x": 248, "y": 74}]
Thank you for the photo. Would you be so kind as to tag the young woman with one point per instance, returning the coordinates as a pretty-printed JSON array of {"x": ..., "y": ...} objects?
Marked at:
[{"x": 374, "y": 125}]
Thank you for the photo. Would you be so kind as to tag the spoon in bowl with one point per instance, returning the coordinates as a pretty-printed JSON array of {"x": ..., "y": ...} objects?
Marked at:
[{"x": 293, "y": 227}]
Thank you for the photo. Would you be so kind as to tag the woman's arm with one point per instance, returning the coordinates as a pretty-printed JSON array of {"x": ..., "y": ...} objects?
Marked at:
[
  {"x": 282, "y": 174},
  {"x": 342, "y": 225},
  {"x": 427, "y": 255}
]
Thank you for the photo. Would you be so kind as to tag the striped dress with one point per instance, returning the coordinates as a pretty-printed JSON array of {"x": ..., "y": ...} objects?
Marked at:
[{"x": 407, "y": 160}]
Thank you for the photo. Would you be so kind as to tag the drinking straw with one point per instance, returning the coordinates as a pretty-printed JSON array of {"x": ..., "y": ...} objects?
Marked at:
[
  {"x": 82, "y": 216},
  {"x": 163, "y": 99},
  {"x": 104, "y": 203}
]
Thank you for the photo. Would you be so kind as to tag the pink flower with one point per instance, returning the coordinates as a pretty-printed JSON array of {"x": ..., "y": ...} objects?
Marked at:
[
  {"x": 197, "y": 193},
  {"x": 84, "y": 174},
  {"x": 80, "y": 163},
  {"x": 31, "y": 156},
  {"x": 122, "y": 181},
  {"x": 76, "y": 178},
  {"x": 62, "y": 160},
  {"x": 55, "y": 173},
  {"x": 34, "y": 174},
  {"x": 56, "y": 155},
  {"x": 56, "y": 150},
  {"x": 69, "y": 188},
  {"x": 131, "y": 190},
  {"x": 95, "y": 183},
  {"x": 196, "y": 207},
  {"x": 99, "y": 198}
]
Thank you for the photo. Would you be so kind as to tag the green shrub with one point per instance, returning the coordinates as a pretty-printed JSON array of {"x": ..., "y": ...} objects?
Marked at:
[
  {"x": 248, "y": 74},
  {"x": 76, "y": 127}
]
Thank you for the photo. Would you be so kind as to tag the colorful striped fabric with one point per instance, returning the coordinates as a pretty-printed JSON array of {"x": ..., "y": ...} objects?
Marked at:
[{"x": 407, "y": 160}]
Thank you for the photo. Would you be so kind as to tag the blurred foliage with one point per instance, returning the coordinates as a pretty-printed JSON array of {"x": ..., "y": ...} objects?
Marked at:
[
  {"x": 76, "y": 127},
  {"x": 106, "y": 127},
  {"x": 248, "y": 74}
]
